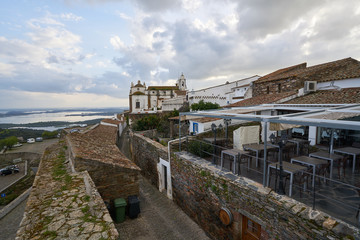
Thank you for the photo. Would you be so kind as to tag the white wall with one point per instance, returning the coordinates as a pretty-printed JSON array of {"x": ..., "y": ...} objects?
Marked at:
[
  {"x": 173, "y": 103},
  {"x": 143, "y": 102},
  {"x": 219, "y": 94},
  {"x": 347, "y": 83}
]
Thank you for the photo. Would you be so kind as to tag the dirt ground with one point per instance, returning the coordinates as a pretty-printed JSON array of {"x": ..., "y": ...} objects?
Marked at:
[{"x": 37, "y": 147}]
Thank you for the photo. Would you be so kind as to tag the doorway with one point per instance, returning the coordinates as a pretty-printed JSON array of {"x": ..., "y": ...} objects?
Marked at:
[{"x": 164, "y": 177}]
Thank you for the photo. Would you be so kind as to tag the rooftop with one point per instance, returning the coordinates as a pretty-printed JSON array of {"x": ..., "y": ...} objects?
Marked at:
[
  {"x": 341, "y": 69},
  {"x": 163, "y": 88},
  {"x": 345, "y": 95},
  {"x": 111, "y": 121},
  {"x": 263, "y": 99},
  {"x": 100, "y": 144}
]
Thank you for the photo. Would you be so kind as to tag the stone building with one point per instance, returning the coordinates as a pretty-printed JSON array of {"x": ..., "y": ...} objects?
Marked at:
[
  {"x": 142, "y": 98},
  {"x": 95, "y": 151},
  {"x": 344, "y": 73},
  {"x": 336, "y": 82}
]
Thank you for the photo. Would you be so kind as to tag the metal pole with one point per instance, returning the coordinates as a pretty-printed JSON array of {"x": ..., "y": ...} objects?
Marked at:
[
  {"x": 265, "y": 153},
  {"x": 314, "y": 196},
  {"x": 226, "y": 132},
  {"x": 281, "y": 180},
  {"x": 214, "y": 152},
  {"x": 179, "y": 132},
  {"x": 331, "y": 141}
]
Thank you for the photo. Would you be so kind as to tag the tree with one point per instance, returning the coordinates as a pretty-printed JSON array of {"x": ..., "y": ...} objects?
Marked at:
[
  {"x": 204, "y": 106},
  {"x": 8, "y": 142},
  {"x": 48, "y": 134}
]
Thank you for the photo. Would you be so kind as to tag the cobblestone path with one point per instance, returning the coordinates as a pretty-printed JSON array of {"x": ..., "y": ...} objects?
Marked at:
[{"x": 160, "y": 218}]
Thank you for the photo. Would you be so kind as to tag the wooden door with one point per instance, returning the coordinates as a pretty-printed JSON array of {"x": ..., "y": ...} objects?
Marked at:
[{"x": 250, "y": 229}]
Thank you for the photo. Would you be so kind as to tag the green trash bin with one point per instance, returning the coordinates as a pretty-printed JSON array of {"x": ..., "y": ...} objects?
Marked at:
[{"x": 120, "y": 205}]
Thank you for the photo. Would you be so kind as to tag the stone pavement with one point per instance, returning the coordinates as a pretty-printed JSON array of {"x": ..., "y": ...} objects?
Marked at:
[
  {"x": 160, "y": 218},
  {"x": 64, "y": 205}
]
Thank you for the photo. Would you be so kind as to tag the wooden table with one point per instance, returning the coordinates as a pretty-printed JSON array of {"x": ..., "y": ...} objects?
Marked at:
[
  {"x": 309, "y": 161},
  {"x": 298, "y": 142},
  {"x": 349, "y": 151},
  {"x": 288, "y": 168},
  {"x": 236, "y": 154},
  {"x": 327, "y": 156},
  {"x": 257, "y": 148}
]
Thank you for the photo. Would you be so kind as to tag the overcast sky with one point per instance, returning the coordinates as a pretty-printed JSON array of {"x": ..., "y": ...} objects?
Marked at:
[{"x": 86, "y": 53}]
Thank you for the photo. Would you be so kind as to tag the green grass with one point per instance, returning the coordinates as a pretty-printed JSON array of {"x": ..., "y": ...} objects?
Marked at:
[
  {"x": 50, "y": 234},
  {"x": 85, "y": 209},
  {"x": 87, "y": 198}
]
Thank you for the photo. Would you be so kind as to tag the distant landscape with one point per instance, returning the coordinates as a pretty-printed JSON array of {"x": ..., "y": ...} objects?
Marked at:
[{"x": 28, "y": 123}]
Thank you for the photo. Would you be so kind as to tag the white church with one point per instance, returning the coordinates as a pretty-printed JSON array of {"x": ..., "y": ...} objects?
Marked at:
[{"x": 144, "y": 99}]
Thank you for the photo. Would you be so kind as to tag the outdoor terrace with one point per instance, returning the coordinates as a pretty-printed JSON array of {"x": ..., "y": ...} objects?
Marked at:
[{"x": 327, "y": 182}]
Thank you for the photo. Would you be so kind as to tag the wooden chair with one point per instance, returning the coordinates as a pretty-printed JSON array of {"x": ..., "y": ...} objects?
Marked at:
[
  {"x": 323, "y": 170},
  {"x": 341, "y": 165},
  {"x": 301, "y": 179}
]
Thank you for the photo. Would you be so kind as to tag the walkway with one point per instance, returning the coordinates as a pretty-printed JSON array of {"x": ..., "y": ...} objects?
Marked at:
[
  {"x": 160, "y": 218},
  {"x": 10, "y": 223}
]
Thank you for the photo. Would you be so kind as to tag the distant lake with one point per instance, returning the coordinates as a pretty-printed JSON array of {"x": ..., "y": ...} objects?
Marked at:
[{"x": 72, "y": 116}]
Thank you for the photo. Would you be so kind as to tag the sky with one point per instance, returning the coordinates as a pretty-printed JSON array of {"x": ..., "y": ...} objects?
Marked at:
[{"x": 86, "y": 53}]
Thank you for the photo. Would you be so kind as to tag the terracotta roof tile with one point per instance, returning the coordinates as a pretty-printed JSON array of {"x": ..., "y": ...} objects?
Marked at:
[
  {"x": 282, "y": 73},
  {"x": 263, "y": 99},
  {"x": 180, "y": 93},
  {"x": 112, "y": 121},
  {"x": 99, "y": 144},
  {"x": 345, "y": 95},
  {"x": 163, "y": 88},
  {"x": 341, "y": 69}
]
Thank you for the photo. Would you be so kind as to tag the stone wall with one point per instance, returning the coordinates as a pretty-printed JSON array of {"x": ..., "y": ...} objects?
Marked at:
[
  {"x": 201, "y": 190},
  {"x": 287, "y": 85},
  {"x": 111, "y": 181},
  {"x": 146, "y": 153},
  {"x": 64, "y": 204},
  {"x": 32, "y": 158}
]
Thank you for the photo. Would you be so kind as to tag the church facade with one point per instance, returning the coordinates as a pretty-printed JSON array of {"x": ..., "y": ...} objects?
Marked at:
[{"x": 151, "y": 98}]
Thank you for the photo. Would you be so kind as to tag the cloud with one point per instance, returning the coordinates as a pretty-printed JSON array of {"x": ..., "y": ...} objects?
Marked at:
[
  {"x": 117, "y": 43},
  {"x": 71, "y": 17},
  {"x": 6, "y": 70},
  {"x": 257, "y": 19}
]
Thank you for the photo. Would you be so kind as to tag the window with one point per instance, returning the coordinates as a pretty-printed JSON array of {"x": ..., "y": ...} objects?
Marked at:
[
  {"x": 279, "y": 87},
  {"x": 250, "y": 229},
  {"x": 137, "y": 105},
  {"x": 267, "y": 89}
]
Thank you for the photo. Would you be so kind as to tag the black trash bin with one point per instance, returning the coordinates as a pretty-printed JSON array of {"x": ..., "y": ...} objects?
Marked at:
[{"x": 133, "y": 206}]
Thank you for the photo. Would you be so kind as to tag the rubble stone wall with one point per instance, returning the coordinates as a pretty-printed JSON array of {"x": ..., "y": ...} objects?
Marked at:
[
  {"x": 201, "y": 190},
  {"x": 31, "y": 157},
  {"x": 286, "y": 85},
  {"x": 111, "y": 181},
  {"x": 146, "y": 153}
]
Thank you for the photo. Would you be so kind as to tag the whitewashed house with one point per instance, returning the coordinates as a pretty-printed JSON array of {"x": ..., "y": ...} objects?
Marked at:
[{"x": 223, "y": 94}]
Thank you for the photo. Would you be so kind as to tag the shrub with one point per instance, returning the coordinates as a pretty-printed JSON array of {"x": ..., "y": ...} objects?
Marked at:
[{"x": 200, "y": 149}]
